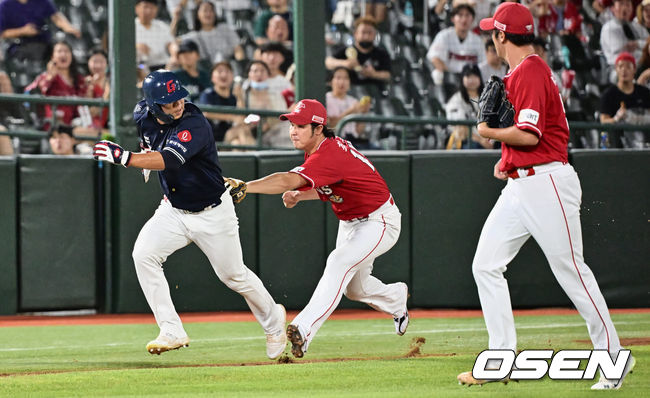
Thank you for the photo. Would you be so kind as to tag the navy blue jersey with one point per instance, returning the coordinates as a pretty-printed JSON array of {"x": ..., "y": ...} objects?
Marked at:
[{"x": 192, "y": 177}]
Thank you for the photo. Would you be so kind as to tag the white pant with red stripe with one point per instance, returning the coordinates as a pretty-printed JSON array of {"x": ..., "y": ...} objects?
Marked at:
[
  {"x": 216, "y": 232},
  {"x": 348, "y": 271},
  {"x": 545, "y": 206}
]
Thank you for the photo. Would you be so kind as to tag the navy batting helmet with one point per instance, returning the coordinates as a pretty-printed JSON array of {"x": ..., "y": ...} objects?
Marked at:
[{"x": 162, "y": 87}]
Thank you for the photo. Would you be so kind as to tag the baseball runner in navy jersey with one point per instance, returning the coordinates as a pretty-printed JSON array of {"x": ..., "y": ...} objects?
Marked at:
[{"x": 196, "y": 207}]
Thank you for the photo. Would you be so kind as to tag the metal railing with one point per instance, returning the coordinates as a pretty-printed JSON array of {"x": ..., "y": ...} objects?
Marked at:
[
  {"x": 363, "y": 118},
  {"x": 409, "y": 120}
]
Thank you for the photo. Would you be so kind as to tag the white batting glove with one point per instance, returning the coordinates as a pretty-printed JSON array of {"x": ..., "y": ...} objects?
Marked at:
[{"x": 111, "y": 152}]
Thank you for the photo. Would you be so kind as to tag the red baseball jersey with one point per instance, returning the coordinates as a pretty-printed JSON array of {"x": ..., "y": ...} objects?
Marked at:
[
  {"x": 538, "y": 109},
  {"x": 342, "y": 175}
]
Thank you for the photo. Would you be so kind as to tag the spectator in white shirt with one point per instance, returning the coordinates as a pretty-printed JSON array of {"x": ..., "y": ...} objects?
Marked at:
[
  {"x": 152, "y": 36},
  {"x": 217, "y": 41},
  {"x": 456, "y": 46},
  {"x": 619, "y": 34}
]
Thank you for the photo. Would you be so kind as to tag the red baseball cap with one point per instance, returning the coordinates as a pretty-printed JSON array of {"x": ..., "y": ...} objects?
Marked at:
[
  {"x": 307, "y": 111},
  {"x": 625, "y": 56},
  {"x": 512, "y": 18}
]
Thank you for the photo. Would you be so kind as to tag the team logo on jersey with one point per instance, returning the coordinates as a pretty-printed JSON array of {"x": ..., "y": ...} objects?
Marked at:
[
  {"x": 528, "y": 116},
  {"x": 185, "y": 136},
  {"x": 297, "y": 169}
]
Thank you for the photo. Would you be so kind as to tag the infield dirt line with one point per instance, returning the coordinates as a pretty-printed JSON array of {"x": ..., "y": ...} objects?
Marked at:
[
  {"x": 244, "y": 316},
  {"x": 283, "y": 360},
  {"x": 228, "y": 340}
]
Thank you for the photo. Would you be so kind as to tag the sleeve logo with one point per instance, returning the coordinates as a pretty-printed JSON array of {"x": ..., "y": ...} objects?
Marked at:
[
  {"x": 185, "y": 136},
  {"x": 528, "y": 116}
]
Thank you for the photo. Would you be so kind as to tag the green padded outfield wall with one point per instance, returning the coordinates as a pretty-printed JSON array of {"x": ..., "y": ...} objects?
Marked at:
[
  {"x": 193, "y": 283},
  {"x": 395, "y": 265},
  {"x": 57, "y": 232},
  {"x": 452, "y": 196},
  {"x": 615, "y": 213},
  {"x": 292, "y": 242},
  {"x": 8, "y": 259}
]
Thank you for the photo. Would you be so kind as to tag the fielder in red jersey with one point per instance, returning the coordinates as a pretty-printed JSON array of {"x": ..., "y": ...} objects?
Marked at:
[
  {"x": 342, "y": 175},
  {"x": 369, "y": 225},
  {"x": 541, "y": 199}
]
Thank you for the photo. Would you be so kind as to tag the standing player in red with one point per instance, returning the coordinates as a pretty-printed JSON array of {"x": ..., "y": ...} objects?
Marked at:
[
  {"x": 541, "y": 199},
  {"x": 369, "y": 226}
]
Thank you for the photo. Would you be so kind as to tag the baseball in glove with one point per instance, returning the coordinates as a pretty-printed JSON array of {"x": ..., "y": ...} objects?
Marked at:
[
  {"x": 494, "y": 107},
  {"x": 237, "y": 189}
]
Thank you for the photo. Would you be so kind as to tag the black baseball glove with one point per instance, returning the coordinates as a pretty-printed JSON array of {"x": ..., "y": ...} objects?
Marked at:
[
  {"x": 494, "y": 107},
  {"x": 237, "y": 189}
]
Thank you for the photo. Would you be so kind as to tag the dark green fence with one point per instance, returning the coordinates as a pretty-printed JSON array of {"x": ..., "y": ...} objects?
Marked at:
[{"x": 68, "y": 229}]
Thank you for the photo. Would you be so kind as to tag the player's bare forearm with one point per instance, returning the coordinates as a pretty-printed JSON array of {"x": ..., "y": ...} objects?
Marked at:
[
  {"x": 276, "y": 183},
  {"x": 510, "y": 135},
  {"x": 291, "y": 198},
  {"x": 151, "y": 160}
]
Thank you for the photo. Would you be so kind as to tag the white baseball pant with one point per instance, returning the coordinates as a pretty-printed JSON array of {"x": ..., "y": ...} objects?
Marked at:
[
  {"x": 545, "y": 206},
  {"x": 348, "y": 271},
  {"x": 216, "y": 232}
]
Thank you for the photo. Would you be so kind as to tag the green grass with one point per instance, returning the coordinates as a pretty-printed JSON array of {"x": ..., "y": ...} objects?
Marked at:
[{"x": 347, "y": 358}]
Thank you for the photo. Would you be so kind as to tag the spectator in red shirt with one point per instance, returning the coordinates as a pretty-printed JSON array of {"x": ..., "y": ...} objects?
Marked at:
[{"x": 61, "y": 78}]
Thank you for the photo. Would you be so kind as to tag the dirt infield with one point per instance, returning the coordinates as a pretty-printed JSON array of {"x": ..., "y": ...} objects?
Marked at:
[{"x": 107, "y": 319}]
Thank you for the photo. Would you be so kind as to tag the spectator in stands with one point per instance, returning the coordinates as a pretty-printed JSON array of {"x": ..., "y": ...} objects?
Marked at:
[
  {"x": 152, "y": 36},
  {"x": 97, "y": 86},
  {"x": 6, "y": 147},
  {"x": 23, "y": 24},
  {"x": 278, "y": 59},
  {"x": 5, "y": 83},
  {"x": 493, "y": 65},
  {"x": 278, "y": 30},
  {"x": 463, "y": 105},
  {"x": 643, "y": 15},
  {"x": 626, "y": 100},
  {"x": 643, "y": 70},
  {"x": 619, "y": 34},
  {"x": 61, "y": 78},
  {"x": 371, "y": 64},
  {"x": 191, "y": 75},
  {"x": 255, "y": 94},
  {"x": 220, "y": 94},
  {"x": 184, "y": 9},
  {"x": 541, "y": 48},
  {"x": 376, "y": 9},
  {"x": 289, "y": 93},
  {"x": 217, "y": 41},
  {"x": 276, "y": 7},
  {"x": 61, "y": 140},
  {"x": 340, "y": 104},
  {"x": 456, "y": 46}
]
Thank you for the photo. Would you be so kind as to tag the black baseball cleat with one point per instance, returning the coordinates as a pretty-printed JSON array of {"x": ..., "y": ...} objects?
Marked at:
[{"x": 297, "y": 342}]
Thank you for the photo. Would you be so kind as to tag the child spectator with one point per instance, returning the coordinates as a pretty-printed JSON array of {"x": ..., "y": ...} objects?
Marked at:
[
  {"x": 191, "y": 75},
  {"x": 221, "y": 94}
]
